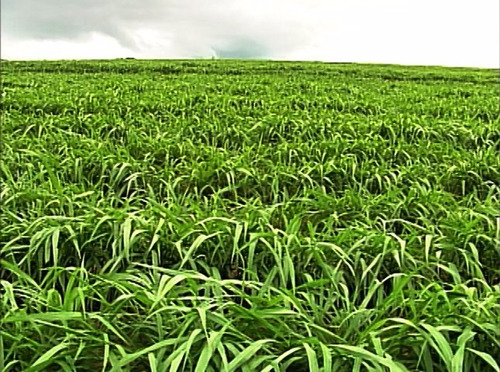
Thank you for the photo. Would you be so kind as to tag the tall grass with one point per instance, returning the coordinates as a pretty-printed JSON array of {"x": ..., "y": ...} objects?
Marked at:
[{"x": 249, "y": 216}]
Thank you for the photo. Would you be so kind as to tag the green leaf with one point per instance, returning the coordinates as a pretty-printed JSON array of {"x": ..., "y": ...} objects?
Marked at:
[
  {"x": 354, "y": 351},
  {"x": 47, "y": 358},
  {"x": 127, "y": 359},
  {"x": 327, "y": 357},
  {"x": 246, "y": 354},
  {"x": 208, "y": 350},
  {"x": 312, "y": 358},
  {"x": 440, "y": 344},
  {"x": 487, "y": 358},
  {"x": 457, "y": 363}
]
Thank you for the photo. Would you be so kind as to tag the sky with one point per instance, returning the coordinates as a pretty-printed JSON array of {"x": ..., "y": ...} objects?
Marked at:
[{"x": 415, "y": 32}]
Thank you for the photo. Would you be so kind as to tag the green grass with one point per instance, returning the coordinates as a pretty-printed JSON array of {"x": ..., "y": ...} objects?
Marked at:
[{"x": 249, "y": 216}]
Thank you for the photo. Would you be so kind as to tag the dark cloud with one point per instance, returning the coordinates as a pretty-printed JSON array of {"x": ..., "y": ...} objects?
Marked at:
[
  {"x": 242, "y": 48},
  {"x": 66, "y": 20}
]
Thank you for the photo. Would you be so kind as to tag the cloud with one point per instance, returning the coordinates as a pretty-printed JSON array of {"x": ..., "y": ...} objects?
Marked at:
[
  {"x": 95, "y": 45},
  {"x": 227, "y": 28},
  {"x": 449, "y": 32},
  {"x": 243, "y": 28},
  {"x": 73, "y": 20}
]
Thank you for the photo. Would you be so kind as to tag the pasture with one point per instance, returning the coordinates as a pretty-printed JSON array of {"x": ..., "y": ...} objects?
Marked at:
[{"x": 249, "y": 216}]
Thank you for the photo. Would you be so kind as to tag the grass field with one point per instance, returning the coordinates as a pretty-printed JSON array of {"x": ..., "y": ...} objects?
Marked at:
[{"x": 249, "y": 216}]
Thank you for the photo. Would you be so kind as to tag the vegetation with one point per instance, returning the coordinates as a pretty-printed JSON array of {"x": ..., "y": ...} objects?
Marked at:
[{"x": 249, "y": 216}]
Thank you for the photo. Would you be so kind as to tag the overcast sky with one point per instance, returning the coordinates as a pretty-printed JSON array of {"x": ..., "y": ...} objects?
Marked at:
[{"x": 429, "y": 32}]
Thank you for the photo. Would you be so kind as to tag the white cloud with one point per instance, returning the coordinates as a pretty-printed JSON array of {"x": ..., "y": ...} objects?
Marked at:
[{"x": 94, "y": 46}]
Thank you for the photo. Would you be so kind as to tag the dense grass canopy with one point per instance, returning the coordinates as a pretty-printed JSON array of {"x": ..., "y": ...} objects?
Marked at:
[{"x": 249, "y": 216}]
